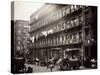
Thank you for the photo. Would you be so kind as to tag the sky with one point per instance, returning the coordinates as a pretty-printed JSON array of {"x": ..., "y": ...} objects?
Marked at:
[{"x": 23, "y": 9}]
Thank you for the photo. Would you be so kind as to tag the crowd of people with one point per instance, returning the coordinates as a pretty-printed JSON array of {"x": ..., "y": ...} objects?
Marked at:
[{"x": 66, "y": 63}]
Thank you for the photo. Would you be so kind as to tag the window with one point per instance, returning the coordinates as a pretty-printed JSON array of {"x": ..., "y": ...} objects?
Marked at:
[
  {"x": 80, "y": 36},
  {"x": 70, "y": 38},
  {"x": 66, "y": 39},
  {"x": 48, "y": 42},
  {"x": 75, "y": 38},
  {"x": 72, "y": 23},
  {"x": 63, "y": 39},
  {"x": 64, "y": 11},
  {"x": 57, "y": 27},
  {"x": 87, "y": 33},
  {"x": 52, "y": 41},
  {"x": 60, "y": 26},
  {"x": 60, "y": 40},
  {"x": 57, "y": 40},
  {"x": 68, "y": 24},
  {"x": 80, "y": 19},
  {"x": 60, "y": 14},
  {"x": 65, "y": 26},
  {"x": 42, "y": 43},
  {"x": 76, "y": 21},
  {"x": 57, "y": 15}
]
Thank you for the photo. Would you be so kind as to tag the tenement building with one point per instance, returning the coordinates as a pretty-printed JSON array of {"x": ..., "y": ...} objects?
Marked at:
[
  {"x": 21, "y": 35},
  {"x": 60, "y": 31}
]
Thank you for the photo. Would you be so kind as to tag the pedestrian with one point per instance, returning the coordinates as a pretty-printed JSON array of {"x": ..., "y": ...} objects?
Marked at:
[
  {"x": 51, "y": 67},
  {"x": 30, "y": 70},
  {"x": 37, "y": 61},
  {"x": 58, "y": 63}
]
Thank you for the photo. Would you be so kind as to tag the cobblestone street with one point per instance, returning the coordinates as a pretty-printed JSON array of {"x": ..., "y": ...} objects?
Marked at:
[
  {"x": 45, "y": 69},
  {"x": 40, "y": 68}
]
